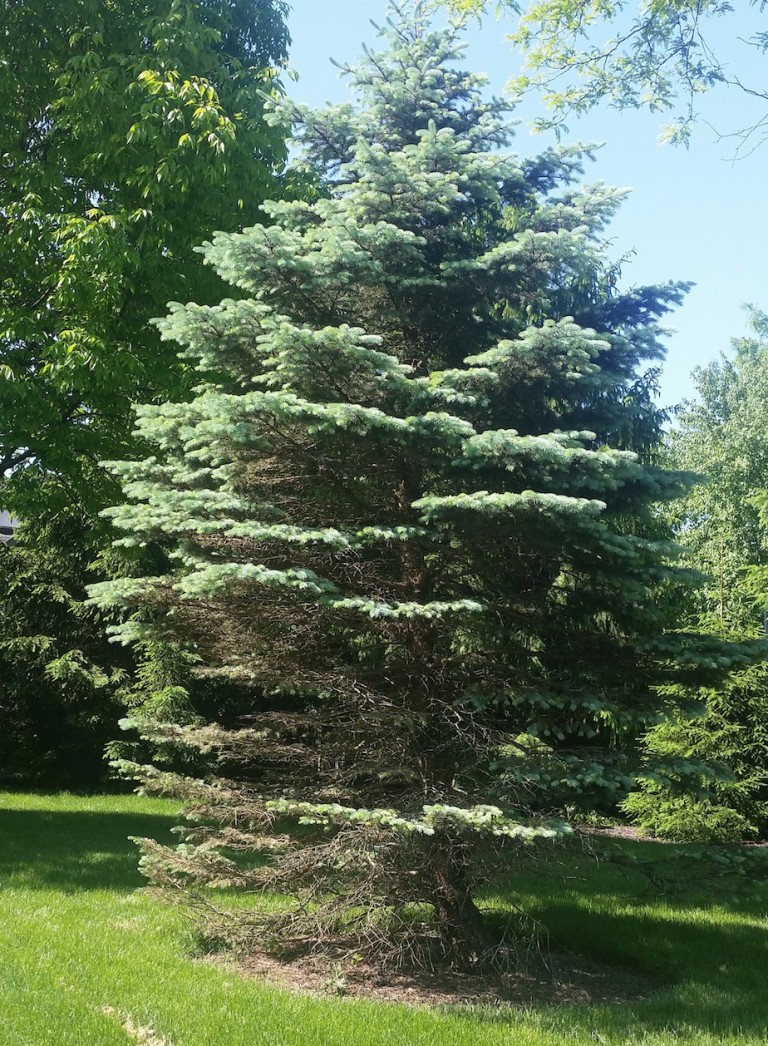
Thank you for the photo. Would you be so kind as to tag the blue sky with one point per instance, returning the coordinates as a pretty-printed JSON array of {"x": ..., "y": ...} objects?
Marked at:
[{"x": 692, "y": 215}]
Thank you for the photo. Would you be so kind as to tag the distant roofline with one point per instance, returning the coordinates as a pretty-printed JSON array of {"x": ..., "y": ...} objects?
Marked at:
[{"x": 7, "y": 527}]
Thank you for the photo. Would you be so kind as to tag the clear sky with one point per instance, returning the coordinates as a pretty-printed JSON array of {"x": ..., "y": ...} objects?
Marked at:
[{"x": 692, "y": 215}]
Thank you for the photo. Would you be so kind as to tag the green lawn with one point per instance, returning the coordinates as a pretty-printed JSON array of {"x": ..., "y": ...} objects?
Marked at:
[{"x": 85, "y": 960}]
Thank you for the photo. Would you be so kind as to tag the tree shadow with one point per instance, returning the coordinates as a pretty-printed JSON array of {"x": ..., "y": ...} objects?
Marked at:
[
  {"x": 713, "y": 974},
  {"x": 74, "y": 851}
]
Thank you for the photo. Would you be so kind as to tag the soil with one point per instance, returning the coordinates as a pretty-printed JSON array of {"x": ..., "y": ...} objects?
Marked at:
[
  {"x": 557, "y": 980},
  {"x": 625, "y": 831},
  {"x": 621, "y": 831}
]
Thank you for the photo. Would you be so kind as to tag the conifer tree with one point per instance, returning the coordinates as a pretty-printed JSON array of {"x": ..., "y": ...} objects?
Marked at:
[
  {"x": 713, "y": 785},
  {"x": 408, "y": 519}
]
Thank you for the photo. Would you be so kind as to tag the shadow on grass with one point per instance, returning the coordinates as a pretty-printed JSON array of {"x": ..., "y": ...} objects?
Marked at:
[
  {"x": 75, "y": 851},
  {"x": 715, "y": 973}
]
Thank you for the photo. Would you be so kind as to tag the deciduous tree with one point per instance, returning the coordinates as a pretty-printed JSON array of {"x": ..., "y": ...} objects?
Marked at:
[
  {"x": 131, "y": 131},
  {"x": 661, "y": 55}
]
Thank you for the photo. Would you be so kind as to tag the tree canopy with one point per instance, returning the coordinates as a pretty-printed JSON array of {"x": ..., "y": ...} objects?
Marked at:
[
  {"x": 661, "y": 55},
  {"x": 722, "y": 436},
  {"x": 130, "y": 132}
]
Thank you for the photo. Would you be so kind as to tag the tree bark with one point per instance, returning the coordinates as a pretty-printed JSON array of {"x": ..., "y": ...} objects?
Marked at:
[{"x": 465, "y": 935}]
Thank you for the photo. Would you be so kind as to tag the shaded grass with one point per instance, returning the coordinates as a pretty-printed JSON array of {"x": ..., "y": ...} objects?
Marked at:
[
  {"x": 710, "y": 960},
  {"x": 81, "y": 950},
  {"x": 70, "y": 850}
]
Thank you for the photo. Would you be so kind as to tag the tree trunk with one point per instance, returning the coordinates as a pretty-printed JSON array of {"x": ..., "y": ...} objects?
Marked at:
[{"x": 465, "y": 936}]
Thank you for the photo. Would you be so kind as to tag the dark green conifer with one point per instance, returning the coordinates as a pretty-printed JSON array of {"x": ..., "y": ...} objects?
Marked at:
[{"x": 708, "y": 770}]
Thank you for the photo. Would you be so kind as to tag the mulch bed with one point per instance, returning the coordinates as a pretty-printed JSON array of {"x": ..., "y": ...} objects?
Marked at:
[
  {"x": 626, "y": 831},
  {"x": 545, "y": 979},
  {"x": 556, "y": 980}
]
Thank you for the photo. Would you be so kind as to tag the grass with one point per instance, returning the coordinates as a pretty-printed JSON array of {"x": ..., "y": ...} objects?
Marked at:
[{"x": 85, "y": 960}]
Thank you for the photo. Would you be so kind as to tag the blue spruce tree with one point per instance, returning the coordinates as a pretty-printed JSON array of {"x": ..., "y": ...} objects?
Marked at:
[{"x": 410, "y": 514}]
